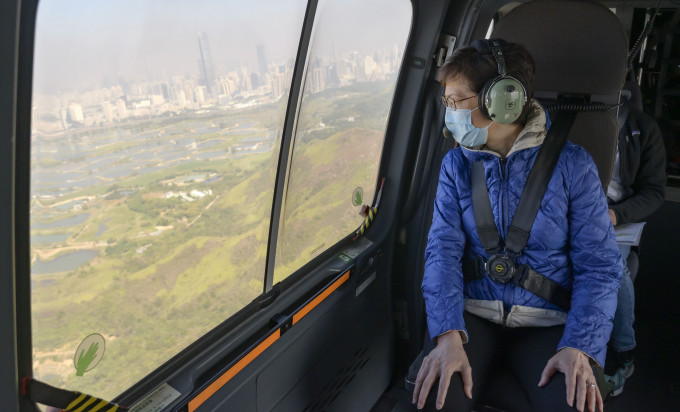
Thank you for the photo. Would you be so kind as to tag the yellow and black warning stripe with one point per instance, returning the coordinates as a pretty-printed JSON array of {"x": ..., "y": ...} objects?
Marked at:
[
  {"x": 367, "y": 221},
  {"x": 89, "y": 403},
  {"x": 370, "y": 212},
  {"x": 68, "y": 401}
]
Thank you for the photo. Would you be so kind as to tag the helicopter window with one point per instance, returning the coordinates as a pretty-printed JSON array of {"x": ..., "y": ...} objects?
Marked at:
[
  {"x": 155, "y": 138},
  {"x": 354, "y": 60}
]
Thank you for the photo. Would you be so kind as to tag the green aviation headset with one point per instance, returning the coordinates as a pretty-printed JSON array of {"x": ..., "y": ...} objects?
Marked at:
[{"x": 502, "y": 98}]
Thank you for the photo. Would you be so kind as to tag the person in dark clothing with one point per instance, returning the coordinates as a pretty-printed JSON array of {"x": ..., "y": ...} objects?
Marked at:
[
  {"x": 641, "y": 168},
  {"x": 635, "y": 191}
]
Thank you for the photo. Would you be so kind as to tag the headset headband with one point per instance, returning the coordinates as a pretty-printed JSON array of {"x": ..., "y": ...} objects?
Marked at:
[{"x": 496, "y": 49}]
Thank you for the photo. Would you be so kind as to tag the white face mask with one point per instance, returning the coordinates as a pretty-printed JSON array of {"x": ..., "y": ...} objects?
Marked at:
[{"x": 459, "y": 123}]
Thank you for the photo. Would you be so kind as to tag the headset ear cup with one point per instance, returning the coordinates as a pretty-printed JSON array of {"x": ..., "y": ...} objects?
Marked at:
[
  {"x": 505, "y": 100},
  {"x": 482, "y": 98}
]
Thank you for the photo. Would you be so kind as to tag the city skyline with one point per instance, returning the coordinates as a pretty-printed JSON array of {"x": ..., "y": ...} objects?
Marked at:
[{"x": 124, "y": 99}]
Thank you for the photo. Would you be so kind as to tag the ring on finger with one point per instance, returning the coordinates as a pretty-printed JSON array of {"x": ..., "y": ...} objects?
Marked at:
[{"x": 591, "y": 385}]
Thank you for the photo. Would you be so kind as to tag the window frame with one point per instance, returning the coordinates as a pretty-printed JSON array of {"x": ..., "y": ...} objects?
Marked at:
[
  {"x": 287, "y": 140},
  {"x": 12, "y": 292},
  {"x": 20, "y": 188}
]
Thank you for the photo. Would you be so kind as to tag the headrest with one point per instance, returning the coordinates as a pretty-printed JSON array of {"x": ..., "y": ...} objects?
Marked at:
[{"x": 578, "y": 46}]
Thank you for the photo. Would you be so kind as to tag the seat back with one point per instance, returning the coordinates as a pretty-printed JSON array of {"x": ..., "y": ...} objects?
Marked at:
[{"x": 580, "y": 49}]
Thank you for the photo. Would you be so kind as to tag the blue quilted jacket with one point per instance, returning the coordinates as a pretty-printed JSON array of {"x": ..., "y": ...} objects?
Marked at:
[{"x": 572, "y": 240}]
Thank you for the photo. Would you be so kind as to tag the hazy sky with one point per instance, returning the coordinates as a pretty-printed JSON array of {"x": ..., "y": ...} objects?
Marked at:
[{"x": 79, "y": 42}]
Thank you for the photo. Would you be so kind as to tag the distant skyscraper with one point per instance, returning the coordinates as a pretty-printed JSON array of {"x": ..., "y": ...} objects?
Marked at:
[
  {"x": 261, "y": 58},
  {"x": 254, "y": 80},
  {"x": 206, "y": 64}
]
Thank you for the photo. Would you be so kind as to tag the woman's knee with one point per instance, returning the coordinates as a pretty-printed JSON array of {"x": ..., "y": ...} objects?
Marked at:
[
  {"x": 455, "y": 397},
  {"x": 551, "y": 397}
]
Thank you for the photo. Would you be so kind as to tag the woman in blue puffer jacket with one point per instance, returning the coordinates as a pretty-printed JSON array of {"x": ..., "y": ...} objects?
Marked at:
[{"x": 572, "y": 243}]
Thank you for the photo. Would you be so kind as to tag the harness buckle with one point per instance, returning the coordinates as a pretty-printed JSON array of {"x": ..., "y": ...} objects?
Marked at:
[{"x": 500, "y": 268}]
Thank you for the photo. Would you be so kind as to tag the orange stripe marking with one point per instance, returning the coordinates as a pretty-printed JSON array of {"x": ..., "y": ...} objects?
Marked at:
[
  {"x": 231, "y": 372},
  {"x": 314, "y": 303}
]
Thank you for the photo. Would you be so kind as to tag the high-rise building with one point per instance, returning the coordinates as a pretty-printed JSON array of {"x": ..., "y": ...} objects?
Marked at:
[
  {"x": 226, "y": 87},
  {"x": 278, "y": 84},
  {"x": 200, "y": 95},
  {"x": 370, "y": 67},
  {"x": 245, "y": 83},
  {"x": 318, "y": 79},
  {"x": 122, "y": 109},
  {"x": 108, "y": 111},
  {"x": 207, "y": 72},
  {"x": 261, "y": 59},
  {"x": 182, "y": 98},
  {"x": 336, "y": 55},
  {"x": 254, "y": 80}
]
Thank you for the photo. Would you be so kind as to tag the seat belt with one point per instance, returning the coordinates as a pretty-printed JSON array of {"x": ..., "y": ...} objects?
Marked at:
[{"x": 500, "y": 267}]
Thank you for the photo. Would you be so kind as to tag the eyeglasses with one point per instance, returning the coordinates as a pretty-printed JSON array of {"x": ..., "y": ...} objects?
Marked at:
[{"x": 450, "y": 102}]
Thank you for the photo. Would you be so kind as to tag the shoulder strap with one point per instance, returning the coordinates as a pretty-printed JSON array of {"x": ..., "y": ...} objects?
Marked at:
[
  {"x": 481, "y": 206},
  {"x": 537, "y": 183}
]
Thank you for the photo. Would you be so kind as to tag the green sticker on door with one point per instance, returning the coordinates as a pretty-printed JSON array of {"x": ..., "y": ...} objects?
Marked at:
[
  {"x": 89, "y": 353},
  {"x": 358, "y": 196}
]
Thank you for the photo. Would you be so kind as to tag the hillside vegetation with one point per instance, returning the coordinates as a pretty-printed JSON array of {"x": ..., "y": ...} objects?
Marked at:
[{"x": 169, "y": 269}]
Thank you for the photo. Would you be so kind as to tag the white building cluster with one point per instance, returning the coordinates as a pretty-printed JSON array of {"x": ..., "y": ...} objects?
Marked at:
[{"x": 189, "y": 197}]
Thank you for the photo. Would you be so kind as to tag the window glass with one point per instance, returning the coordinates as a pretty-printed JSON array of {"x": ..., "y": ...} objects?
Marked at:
[
  {"x": 356, "y": 53},
  {"x": 155, "y": 139}
]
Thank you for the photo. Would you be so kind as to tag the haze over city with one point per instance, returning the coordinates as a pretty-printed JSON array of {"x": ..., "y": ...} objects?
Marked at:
[{"x": 80, "y": 43}]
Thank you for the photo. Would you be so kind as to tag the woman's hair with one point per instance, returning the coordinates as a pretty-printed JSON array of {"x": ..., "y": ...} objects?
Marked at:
[{"x": 480, "y": 67}]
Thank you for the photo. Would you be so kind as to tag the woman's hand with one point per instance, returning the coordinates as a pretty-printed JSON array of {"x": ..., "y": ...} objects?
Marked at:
[
  {"x": 445, "y": 359},
  {"x": 579, "y": 377}
]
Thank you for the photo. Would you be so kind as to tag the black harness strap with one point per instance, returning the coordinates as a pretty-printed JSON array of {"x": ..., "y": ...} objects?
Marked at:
[
  {"x": 544, "y": 287},
  {"x": 527, "y": 209},
  {"x": 537, "y": 183},
  {"x": 486, "y": 227}
]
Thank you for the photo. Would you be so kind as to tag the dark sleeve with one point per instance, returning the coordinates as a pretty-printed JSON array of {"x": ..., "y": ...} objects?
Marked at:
[{"x": 650, "y": 181}]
